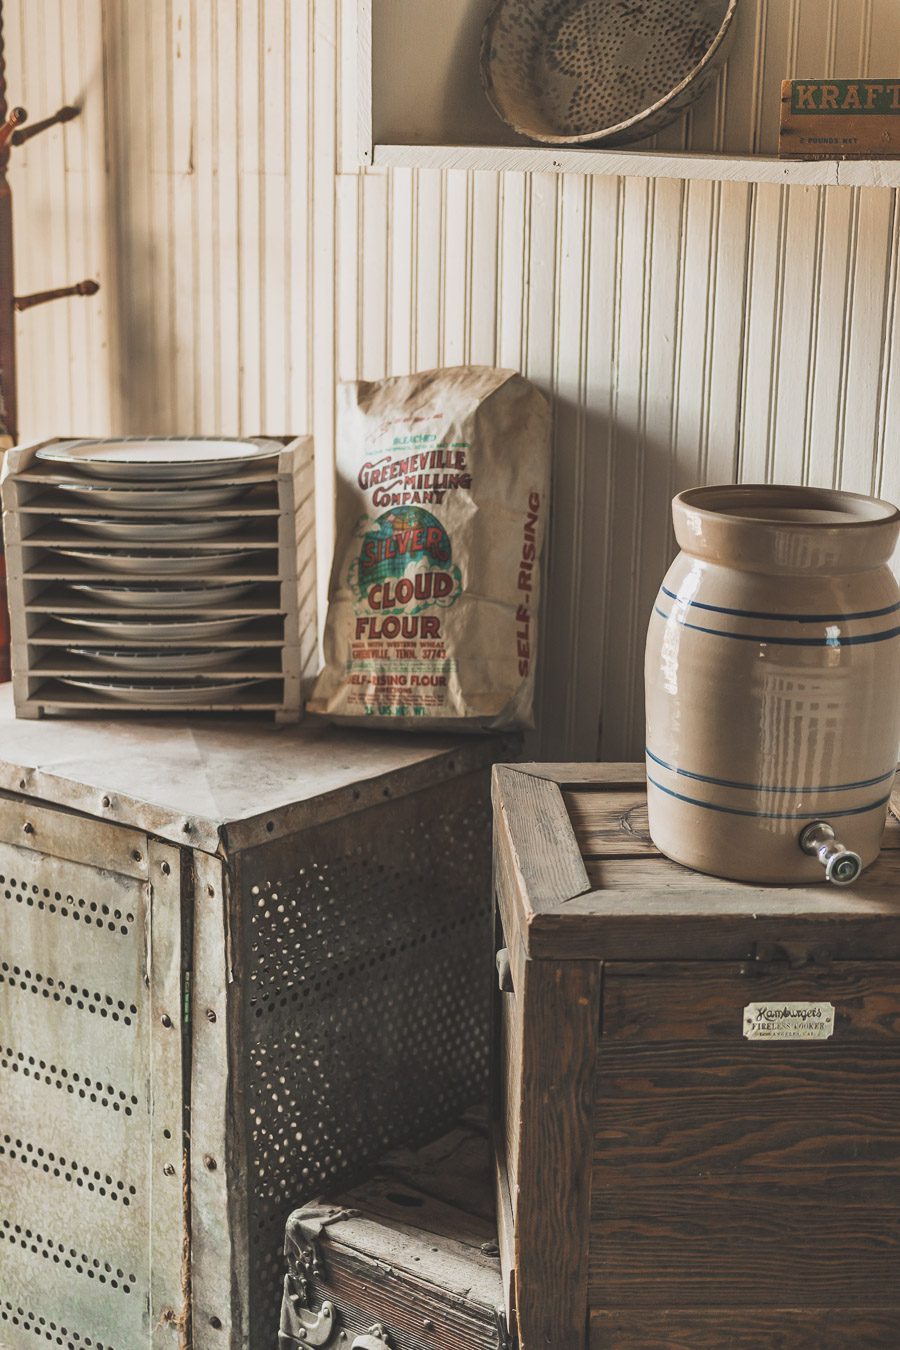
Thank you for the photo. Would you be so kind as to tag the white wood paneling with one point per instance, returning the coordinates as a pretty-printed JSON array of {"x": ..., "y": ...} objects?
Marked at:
[
  {"x": 687, "y": 332},
  {"x": 197, "y": 186}
]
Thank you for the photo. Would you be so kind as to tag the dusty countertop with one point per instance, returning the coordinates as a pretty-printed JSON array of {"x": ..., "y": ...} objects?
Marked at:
[{"x": 198, "y": 780}]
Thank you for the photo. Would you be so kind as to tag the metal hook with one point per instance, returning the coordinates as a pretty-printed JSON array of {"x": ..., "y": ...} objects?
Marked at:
[
  {"x": 63, "y": 114},
  {"x": 42, "y": 297}
]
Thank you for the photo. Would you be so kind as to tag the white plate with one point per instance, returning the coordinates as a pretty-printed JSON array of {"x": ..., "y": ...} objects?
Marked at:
[
  {"x": 149, "y": 691},
  {"x": 149, "y": 499},
  {"x": 157, "y": 458},
  {"x": 184, "y": 529},
  {"x": 155, "y": 630},
  {"x": 149, "y": 660},
  {"x": 148, "y": 561},
  {"x": 192, "y": 596}
]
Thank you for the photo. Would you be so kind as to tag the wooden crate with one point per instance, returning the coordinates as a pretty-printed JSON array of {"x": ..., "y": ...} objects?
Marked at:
[
  {"x": 275, "y": 645},
  {"x": 408, "y": 1259},
  {"x": 671, "y": 1174},
  {"x": 840, "y": 119},
  {"x": 239, "y": 962}
]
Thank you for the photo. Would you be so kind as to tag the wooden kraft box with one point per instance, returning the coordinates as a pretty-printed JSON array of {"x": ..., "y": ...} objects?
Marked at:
[
  {"x": 697, "y": 1103},
  {"x": 237, "y": 964}
]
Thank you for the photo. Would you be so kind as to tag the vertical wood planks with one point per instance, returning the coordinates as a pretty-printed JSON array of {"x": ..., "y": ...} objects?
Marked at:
[
  {"x": 483, "y": 274},
  {"x": 325, "y": 55},
  {"x": 568, "y": 375},
  {"x": 277, "y": 76},
  {"x": 372, "y": 292},
  {"x": 558, "y": 1058}
]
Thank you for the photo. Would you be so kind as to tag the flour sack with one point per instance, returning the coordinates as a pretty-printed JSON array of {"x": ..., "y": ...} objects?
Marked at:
[{"x": 443, "y": 479}]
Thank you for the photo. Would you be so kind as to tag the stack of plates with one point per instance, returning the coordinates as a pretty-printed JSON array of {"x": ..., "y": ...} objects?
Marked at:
[{"x": 158, "y": 567}]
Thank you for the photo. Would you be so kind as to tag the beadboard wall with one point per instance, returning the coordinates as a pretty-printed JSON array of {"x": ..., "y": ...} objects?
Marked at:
[{"x": 687, "y": 332}]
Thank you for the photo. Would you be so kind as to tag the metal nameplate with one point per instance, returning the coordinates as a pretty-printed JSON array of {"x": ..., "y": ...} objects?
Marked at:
[{"x": 788, "y": 1021}]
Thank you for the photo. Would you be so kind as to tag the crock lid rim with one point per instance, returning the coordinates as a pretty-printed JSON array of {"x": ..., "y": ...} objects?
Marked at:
[{"x": 687, "y": 500}]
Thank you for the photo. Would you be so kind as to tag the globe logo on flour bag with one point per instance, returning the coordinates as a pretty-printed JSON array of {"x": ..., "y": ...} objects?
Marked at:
[
  {"x": 403, "y": 568},
  {"x": 443, "y": 479}
]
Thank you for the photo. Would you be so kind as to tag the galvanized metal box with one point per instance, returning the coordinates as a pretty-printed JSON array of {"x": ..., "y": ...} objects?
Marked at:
[{"x": 237, "y": 964}]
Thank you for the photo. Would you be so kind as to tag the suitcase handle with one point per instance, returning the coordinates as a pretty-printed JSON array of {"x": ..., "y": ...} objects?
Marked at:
[
  {"x": 313, "y": 1329},
  {"x": 376, "y": 1338}
]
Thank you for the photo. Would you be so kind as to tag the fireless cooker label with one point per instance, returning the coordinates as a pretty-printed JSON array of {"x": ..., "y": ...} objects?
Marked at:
[{"x": 788, "y": 1021}]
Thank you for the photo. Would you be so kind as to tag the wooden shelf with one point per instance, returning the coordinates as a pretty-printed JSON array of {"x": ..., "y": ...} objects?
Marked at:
[
  {"x": 420, "y": 105},
  {"x": 643, "y": 164}
]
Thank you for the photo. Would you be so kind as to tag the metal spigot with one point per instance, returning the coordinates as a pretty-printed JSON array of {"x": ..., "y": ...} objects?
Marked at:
[{"x": 842, "y": 865}]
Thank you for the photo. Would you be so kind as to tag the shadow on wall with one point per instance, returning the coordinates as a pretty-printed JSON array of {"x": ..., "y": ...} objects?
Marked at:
[
  {"x": 462, "y": 89},
  {"x": 131, "y": 265},
  {"x": 610, "y": 544}
]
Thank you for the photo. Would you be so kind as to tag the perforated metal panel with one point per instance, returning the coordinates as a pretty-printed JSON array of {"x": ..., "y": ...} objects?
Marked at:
[
  {"x": 82, "y": 1186},
  {"x": 195, "y": 1041},
  {"x": 366, "y": 946}
]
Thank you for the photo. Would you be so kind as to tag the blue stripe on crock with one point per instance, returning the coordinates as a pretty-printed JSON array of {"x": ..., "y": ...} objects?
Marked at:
[
  {"x": 766, "y": 787},
  {"x": 783, "y": 618},
  {"x": 767, "y": 815},
  {"x": 862, "y": 640}
]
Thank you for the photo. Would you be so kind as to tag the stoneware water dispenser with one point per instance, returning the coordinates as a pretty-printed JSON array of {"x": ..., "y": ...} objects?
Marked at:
[{"x": 773, "y": 684}]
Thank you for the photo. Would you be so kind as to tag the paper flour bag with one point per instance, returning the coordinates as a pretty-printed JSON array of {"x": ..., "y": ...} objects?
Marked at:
[{"x": 443, "y": 479}]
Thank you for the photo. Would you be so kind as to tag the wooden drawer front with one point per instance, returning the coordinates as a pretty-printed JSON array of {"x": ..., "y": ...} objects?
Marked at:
[
  {"x": 743, "y": 1174},
  {"x": 704, "y": 1001}
]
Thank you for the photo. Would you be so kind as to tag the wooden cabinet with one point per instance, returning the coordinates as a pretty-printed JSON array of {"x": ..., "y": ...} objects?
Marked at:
[{"x": 697, "y": 1102}]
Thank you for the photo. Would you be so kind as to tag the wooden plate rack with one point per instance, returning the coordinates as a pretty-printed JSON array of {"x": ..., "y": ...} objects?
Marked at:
[{"x": 271, "y": 523}]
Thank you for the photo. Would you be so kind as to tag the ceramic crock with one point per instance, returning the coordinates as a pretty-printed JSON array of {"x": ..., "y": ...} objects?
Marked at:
[{"x": 773, "y": 684}]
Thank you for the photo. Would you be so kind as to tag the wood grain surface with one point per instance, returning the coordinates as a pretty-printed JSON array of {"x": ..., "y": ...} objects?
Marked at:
[
  {"x": 669, "y": 879},
  {"x": 702, "y": 1001},
  {"x": 710, "y": 1079},
  {"x": 419, "y": 1313},
  {"x": 641, "y": 164},
  {"x": 742, "y": 1175},
  {"x": 724, "y": 922},
  {"x": 561, "y": 1002},
  {"x": 610, "y": 823},
  {"x": 511, "y": 1069},
  {"x": 864, "y": 1143},
  {"x": 610, "y": 820},
  {"x": 545, "y": 852},
  {"x": 642, "y": 904},
  {"x": 731, "y": 1244},
  {"x": 775, "y": 1328},
  {"x": 506, "y": 1235},
  {"x": 607, "y": 776}
]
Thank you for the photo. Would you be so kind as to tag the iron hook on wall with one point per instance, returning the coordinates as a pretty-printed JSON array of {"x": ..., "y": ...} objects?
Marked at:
[
  {"x": 88, "y": 287},
  {"x": 13, "y": 133},
  {"x": 63, "y": 114}
]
